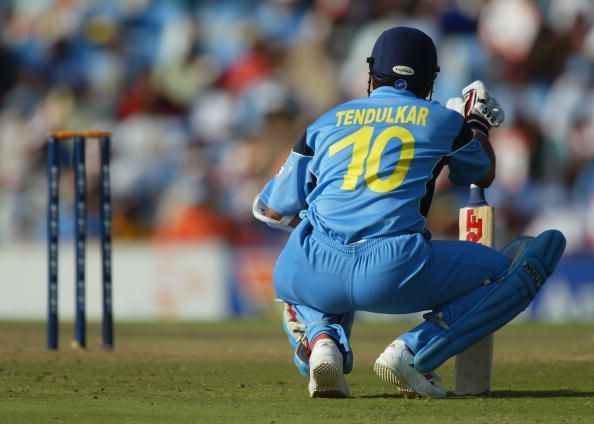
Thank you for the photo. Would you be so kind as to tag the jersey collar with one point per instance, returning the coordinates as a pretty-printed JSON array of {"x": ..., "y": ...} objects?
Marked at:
[{"x": 385, "y": 91}]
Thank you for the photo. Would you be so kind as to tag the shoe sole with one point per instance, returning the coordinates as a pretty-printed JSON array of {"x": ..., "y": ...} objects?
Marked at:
[
  {"x": 385, "y": 373},
  {"x": 326, "y": 378}
]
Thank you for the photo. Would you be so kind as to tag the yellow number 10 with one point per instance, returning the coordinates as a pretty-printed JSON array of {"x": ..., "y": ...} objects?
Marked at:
[{"x": 360, "y": 140}]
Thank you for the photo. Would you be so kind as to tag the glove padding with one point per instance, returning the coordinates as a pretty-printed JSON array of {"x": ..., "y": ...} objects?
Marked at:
[
  {"x": 259, "y": 211},
  {"x": 457, "y": 104},
  {"x": 481, "y": 110}
]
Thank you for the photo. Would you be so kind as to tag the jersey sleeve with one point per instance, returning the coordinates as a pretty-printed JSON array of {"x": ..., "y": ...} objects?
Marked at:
[
  {"x": 468, "y": 161},
  {"x": 287, "y": 191}
]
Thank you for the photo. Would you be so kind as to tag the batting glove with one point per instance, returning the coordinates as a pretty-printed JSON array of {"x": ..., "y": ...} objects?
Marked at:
[
  {"x": 481, "y": 110},
  {"x": 457, "y": 104},
  {"x": 259, "y": 211}
]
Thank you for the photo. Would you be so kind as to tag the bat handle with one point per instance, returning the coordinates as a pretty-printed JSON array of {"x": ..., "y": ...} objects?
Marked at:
[{"x": 476, "y": 196}]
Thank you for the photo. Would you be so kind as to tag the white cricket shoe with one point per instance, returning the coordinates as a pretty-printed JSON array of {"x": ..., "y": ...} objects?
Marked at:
[
  {"x": 326, "y": 376},
  {"x": 395, "y": 365}
]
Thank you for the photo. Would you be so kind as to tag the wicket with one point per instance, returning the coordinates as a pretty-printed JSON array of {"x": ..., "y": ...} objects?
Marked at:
[{"x": 53, "y": 228}]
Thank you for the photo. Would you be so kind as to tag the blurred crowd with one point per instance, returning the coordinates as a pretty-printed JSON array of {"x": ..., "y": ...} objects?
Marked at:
[{"x": 206, "y": 98}]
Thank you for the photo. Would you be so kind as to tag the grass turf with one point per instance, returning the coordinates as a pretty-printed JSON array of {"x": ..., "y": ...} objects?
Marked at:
[{"x": 242, "y": 372}]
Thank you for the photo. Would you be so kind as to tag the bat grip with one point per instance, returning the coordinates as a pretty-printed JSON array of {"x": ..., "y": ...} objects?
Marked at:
[{"x": 476, "y": 196}]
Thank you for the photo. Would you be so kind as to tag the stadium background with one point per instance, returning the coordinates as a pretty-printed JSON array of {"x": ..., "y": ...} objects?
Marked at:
[{"x": 206, "y": 98}]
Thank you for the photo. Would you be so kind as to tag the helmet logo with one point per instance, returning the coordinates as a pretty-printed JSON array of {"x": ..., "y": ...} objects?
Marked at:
[
  {"x": 403, "y": 70},
  {"x": 400, "y": 84}
]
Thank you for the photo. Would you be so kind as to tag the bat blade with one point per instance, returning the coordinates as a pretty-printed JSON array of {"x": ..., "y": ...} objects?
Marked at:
[
  {"x": 476, "y": 224},
  {"x": 474, "y": 365}
]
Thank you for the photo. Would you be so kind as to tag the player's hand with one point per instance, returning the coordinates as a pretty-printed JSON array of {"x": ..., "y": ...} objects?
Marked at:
[{"x": 481, "y": 109}]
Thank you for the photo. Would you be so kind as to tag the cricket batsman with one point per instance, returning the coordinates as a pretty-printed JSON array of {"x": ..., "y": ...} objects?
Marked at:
[{"x": 356, "y": 189}]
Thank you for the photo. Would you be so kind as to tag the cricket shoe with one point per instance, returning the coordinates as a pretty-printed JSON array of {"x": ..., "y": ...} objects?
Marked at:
[
  {"x": 396, "y": 366},
  {"x": 326, "y": 376}
]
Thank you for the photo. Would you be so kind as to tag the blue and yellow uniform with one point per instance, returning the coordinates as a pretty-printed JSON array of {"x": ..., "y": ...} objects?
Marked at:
[
  {"x": 362, "y": 178},
  {"x": 366, "y": 168}
]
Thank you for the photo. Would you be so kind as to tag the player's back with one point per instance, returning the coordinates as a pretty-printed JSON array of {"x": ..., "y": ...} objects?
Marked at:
[{"x": 373, "y": 160}]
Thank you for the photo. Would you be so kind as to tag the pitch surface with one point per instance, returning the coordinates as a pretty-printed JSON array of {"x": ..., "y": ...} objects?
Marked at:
[{"x": 242, "y": 372}]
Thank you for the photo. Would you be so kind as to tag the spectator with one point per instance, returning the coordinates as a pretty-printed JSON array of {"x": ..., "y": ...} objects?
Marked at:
[{"x": 205, "y": 99}]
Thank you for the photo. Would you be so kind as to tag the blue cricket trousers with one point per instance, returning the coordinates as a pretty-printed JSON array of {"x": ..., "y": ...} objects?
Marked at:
[{"x": 392, "y": 275}]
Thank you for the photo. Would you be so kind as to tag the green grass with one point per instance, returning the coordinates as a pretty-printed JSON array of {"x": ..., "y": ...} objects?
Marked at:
[{"x": 242, "y": 372}]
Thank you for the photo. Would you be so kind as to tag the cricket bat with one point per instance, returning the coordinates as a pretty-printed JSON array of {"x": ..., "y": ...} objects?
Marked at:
[{"x": 473, "y": 366}]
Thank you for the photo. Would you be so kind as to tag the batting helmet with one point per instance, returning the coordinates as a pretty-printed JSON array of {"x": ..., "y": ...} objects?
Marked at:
[{"x": 405, "y": 58}]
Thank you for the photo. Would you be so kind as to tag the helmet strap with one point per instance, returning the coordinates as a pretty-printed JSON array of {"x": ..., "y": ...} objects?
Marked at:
[{"x": 433, "y": 82}]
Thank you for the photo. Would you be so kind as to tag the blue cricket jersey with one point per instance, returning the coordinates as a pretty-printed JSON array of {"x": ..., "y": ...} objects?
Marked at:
[{"x": 368, "y": 167}]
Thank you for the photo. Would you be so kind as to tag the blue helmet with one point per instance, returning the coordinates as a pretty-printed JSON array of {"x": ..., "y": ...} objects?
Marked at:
[{"x": 404, "y": 57}]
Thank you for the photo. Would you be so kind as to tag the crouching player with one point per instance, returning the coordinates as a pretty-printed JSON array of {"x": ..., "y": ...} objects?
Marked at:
[{"x": 358, "y": 187}]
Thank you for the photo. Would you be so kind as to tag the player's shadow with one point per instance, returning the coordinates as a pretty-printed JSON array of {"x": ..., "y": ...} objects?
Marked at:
[
  {"x": 501, "y": 394},
  {"x": 541, "y": 393},
  {"x": 382, "y": 396}
]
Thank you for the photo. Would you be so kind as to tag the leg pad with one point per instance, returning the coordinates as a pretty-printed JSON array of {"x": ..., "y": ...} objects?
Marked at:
[{"x": 510, "y": 297}]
